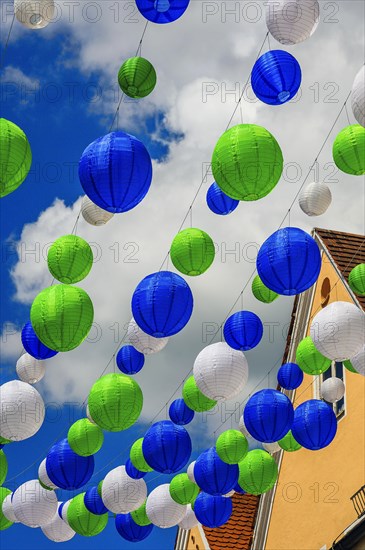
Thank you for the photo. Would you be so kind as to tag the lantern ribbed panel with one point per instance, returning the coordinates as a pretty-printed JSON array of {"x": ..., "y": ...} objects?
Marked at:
[
  {"x": 166, "y": 447},
  {"x": 242, "y": 427},
  {"x": 180, "y": 413},
  {"x": 290, "y": 376},
  {"x": 220, "y": 372},
  {"x": 314, "y": 425},
  {"x": 358, "y": 361},
  {"x": 190, "y": 520},
  {"x": 258, "y": 472},
  {"x": 70, "y": 259},
  {"x": 3, "y": 467},
  {"x": 332, "y": 389},
  {"x": 62, "y": 510},
  {"x": 85, "y": 438},
  {"x": 67, "y": 469},
  {"x": 192, "y": 251},
  {"x": 162, "y": 11},
  {"x": 137, "y": 458},
  {"x": 349, "y": 150},
  {"x": 247, "y": 162},
  {"x": 358, "y": 96},
  {"x": 261, "y": 292},
  {"x": 231, "y": 446},
  {"x": 357, "y": 279},
  {"x": 137, "y": 77},
  {"x": 82, "y": 521},
  {"x": 93, "y": 214},
  {"x": 34, "y": 506},
  {"x": 315, "y": 199},
  {"x": 292, "y": 21},
  {"x": 29, "y": 369},
  {"x": 58, "y": 530},
  {"x": 309, "y": 359},
  {"x": 276, "y": 77},
  {"x": 268, "y": 415},
  {"x": 220, "y": 203},
  {"x": 122, "y": 494},
  {"x": 143, "y": 342},
  {"x": 214, "y": 476},
  {"x": 130, "y": 530},
  {"x": 212, "y": 511},
  {"x": 7, "y": 509},
  {"x": 16, "y": 157},
  {"x": 182, "y": 490},
  {"x": 129, "y": 360},
  {"x": 93, "y": 502},
  {"x": 22, "y": 410},
  {"x": 139, "y": 516},
  {"x": 271, "y": 447},
  {"x": 89, "y": 415},
  {"x": 338, "y": 331},
  {"x": 289, "y": 444},
  {"x": 243, "y": 330},
  {"x": 5, "y": 523},
  {"x": 43, "y": 476},
  {"x": 190, "y": 471},
  {"x": 194, "y": 398},
  {"x": 162, "y": 510},
  {"x": 33, "y": 345},
  {"x": 34, "y": 14}
]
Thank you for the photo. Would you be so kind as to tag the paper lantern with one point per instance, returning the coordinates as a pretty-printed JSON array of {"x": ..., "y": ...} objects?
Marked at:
[
  {"x": 190, "y": 520},
  {"x": 29, "y": 369},
  {"x": 130, "y": 530},
  {"x": 162, "y": 510},
  {"x": 66, "y": 469},
  {"x": 348, "y": 150},
  {"x": 162, "y": 11},
  {"x": 268, "y": 415},
  {"x": 192, "y": 251},
  {"x": 115, "y": 402},
  {"x": 214, "y": 476},
  {"x": 247, "y": 162},
  {"x": 166, "y": 447},
  {"x": 289, "y": 261},
  {"x": 338, "y": 330},
  {"x": 129, "y": 360},
  {"x": 292, "y": 21},
  {"x": 258, "y": 472},
  {"x": 243, "y": 330},
  {"x": 290, "y": 376},
  {"x": 85, "y": 438},
  {"x": 180, "y": 413},
  {"x": 33, "y": 345},
  {"x": 162, "y": 304},
  {"x": 315, "y": 199},
  {"x": 137, "y": 77},
  {"x": 242, "y": 427},
  {"x": 70, "y": 259},
  {"x": 349, "y": 367},
  {"x": 261, "y": 292},
  {"x": 332, "y": 389},
  {"x": 358, "y": 96},
  {"x": 93, "y": 502},
  {"x": 62, "y": 510},
  {"x": 89, "y": 415},
  {"x": 231, "y": 446},
  {"x": 220, "y": 372},
  {"x": 132, "y": 471},
  {"x": 6, "y": 509},
  {"x": 190, "y": 471},
  {"x": 122, "y": 494},
  {"x": 22, "y": 410},
  {"x": 194, "y": 398},
  {"x": 314, "y": 425},
  {"x": 288, "y": 443},
  {"x": 5, "y": 522},
  {"x": 34, "y": 14},
  {"x": 220, "y": 203},
  {"x": 357, "y": 279},
  {"x": 3, "y": 467},
  {"x": 212, "y": 511},
  {"x": 82, "y": 521},
  {"x": 115, "y": 172},
  {"x": 182, "y": 490},
  {"x": 271, "y": 448},
  {"x": 137, "y": 457},
  {"x": 93, "y": 214},
  {"x": 276, "y": 77},
  {"x": 58, "y": 530},
  {"x": 358, "y": 362},
  {"x": 139, "y": 516},
  {"x": 16, "y": 157},
  {"x": 309, "y": 359},
  {"x": 34, "y": 506},
  {"x": 143, "y": 342},
  {"x": 43, "y": 476}
]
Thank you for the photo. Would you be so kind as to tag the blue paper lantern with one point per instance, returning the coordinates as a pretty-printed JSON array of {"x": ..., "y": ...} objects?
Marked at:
[
  {"x": 290, "y": 376},
  {"x": 276, "y": 77},
  {"x": 33, "y": 345},
  {"x": 243, "y": 330},
  {"x": 214, "y": 476},
  {"x": 314, "y": 425},
  {"x": 129, "y": 530},
  {"x": 132, "y": 471},
  {"x": 162, "y": 304},
  {"x": 212, "y": 511},
  {"x": 220, "y": 203},
  {"x": 268, "y": 415},
  {"x": 166, "y": 447},
  {"x": 129, "y": 360},
  {"x": 67, "y": 469},
  {"x": 238, "y": 489},
  {"x": 116, "y": 172},
  {"x": 289, "y": 261},
  {"x": 162, "y": 11},
  {"x": 180, "y": 413},
  {"x": 93, "y": 502}
]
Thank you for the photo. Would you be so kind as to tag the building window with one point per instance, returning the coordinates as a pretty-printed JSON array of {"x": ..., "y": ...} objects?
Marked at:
[
  {"x": 325, "y": 291},
  {"x": 337, "y": 370}
]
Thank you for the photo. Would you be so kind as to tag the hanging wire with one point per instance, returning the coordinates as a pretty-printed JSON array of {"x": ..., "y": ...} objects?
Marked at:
[{"x": 2, "y": 63}]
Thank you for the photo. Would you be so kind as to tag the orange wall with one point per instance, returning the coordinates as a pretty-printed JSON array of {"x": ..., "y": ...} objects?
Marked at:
[{"x": 195, "y": 541}]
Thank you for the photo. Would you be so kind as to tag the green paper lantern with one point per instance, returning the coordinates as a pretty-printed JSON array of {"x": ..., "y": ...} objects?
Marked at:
[
  {"x": 4, "y": 522},
  {"x": 232, "y": 446},
  {"x": 15, "y": 155},
  {"x": 45, "y": 486},
  {"x": 137, "y": 77},
  {"x": 357, "y": 279},
  {"x": 182, "y": 490},
  {"x": 192, "y": 252},
  {"x": 3, "y": 467},
  {"x": 349, "y": 150},
  {"x": 258, "y": 472},
  {"x": 247, "y": 162},
  {"x": 61, "y": 316},
  {"x": 115, "y": 402},
  {"x": 349, "y": 367},
  {"x": 309, "y": 359},
  {"x": 82, "y": 521},
  {"x": 140, "y": 517},
  {"x": 288, "y": 443},
  {"x": 261, "y": 292},
  {"x": 4, "y": 441},
  {"x": 70, "y": 259},
  {"x": 85, "y": 438},
  {"x": 137, "y": 458},
  {"x": 100, "y": 485},
  {"x": 194, "y": 398}
]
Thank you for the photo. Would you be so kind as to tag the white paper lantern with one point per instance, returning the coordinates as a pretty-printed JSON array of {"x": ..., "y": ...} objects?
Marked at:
[
  {"x": 220, "y": 372},
  {"x": 29, "y": 369},
  {"x": 271, "y": 447},
  {"x": 122, "y": 494},
  {"x": 58, "y": 530},
  {"x": 190, "y": 472},
  {"x": 93, "y": 214},
  {"x": 8, "y": 510},
  {"x": 338, "y": 331},
  {"x": 144, "y": 342},
  {"x": 358, "y": 361},
  {"x": 43, "y": 476},
  {"x": 64, "y": 510},
  {"x": 162, "y": 510},
  {"x": 22, "y": 410},
  {"x": 292, "y": 21},
  {"x": 358, "y": 96},
  {"x": 88, "y": 415},
  {"x": 332, "y": 390},
  {"x": 189, "y": 520},
  {"x": 242, "y": 427},
  {"x": 34, "y": 14},
  {"x": 230, "y": 494},
  {"x": 315, "y": 198},
  {"x": 34, "y": 506}
]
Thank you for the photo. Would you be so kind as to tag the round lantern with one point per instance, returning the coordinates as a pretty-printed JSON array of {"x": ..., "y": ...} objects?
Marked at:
[
  {"x": 22, "y": 410},
  {"x": 166, "y": 447},
  {"x": 162, "y": 304},
  {"x": 348, "y": 150},
  {"x": 289, "y": 444},
  {"x": 315, "y": 199},
  {"x": 349, "y": 367},
  {"x": 66, "y": 469},
  {"x": 180, "y": 413},
  {"x": 33, "y": 345},
  {"x": 132, "y": 471},
  {"x": 62, "y": 510},
  {"x": 357, "y": 362},
  {"x": 58, "y": 530},
  {"x": 292, "y": 21},
  {"x": 34, "y": 506},
  {"x": 242, "y": 427},
  {"x": 261, "y": 292},
  {"x": 358, "y": 96},
  {"x": 116, "y": 172},
  {"x": 314, "y": 425},
  {"x": 213, "y": 475},
  {"x": 357, "y": 279},
  {"x": 290, "y": 376},
  {"x": 194, "y": 398},
  {"x": 162, "y": 11},
  {"x": 192, "y": 251},
  {"x": 3, "y": 467},
  {"x": 247, "y": 162},
  {"x": 93, "y": 214},
  {"x": 6, "y": 509},
  {"x": 182, "y": 490},
  {"x": 162, "y": 510},
  {"x": 143, "y": 342},
  {"x": 271, "y": 448},
  {"x": 332, "y": 389},
  {"x": 88, "y": 415},
  {"x": 212, "y": 511},
  {"x": 43, "y": 476},
  {"x": 130, "y": 530},
  {"x": 137, "y": 77},
  {"x": 129, "y": 360},
  {"x": 115, "y": 402},
  {"x": 82, "y": 521},
  {"x": 220, "y": 203},
  {"x": 243, "y": 330},
  {"x": 276, "y": 77},
  {"x": 309, "y": 359},
  {"x": 189, "y": 521},
  {"x": 137, "y": 457},
  {"x": 190, "y": 471},
  {"x": 85, "y": 438},
  {"x": 5, "y": 521},
  {"x": 231, "y": 446},
  {"x": 139, "y": 516},
  {"x": 289, "y": 261},
  {"x": 34, "y": 14},
  {"x": 16, "y": 157},
  {"x": 29, "y": 369},
  {"x": 122, "y": 494},
  {"x": 258, "y": 472},
  {"x": 338, "y": 330},
  {"x": 70, "y": 259},
  {"x": 268, "y": 415}
]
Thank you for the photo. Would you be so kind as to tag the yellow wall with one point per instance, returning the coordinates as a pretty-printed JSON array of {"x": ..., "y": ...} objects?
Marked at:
[
  {"x": 312, "y": 503},
  {"x": 195, "y": 541}
]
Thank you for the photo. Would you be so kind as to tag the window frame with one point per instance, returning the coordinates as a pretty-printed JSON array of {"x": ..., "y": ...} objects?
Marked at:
[{"x": 319, "y": 379}]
